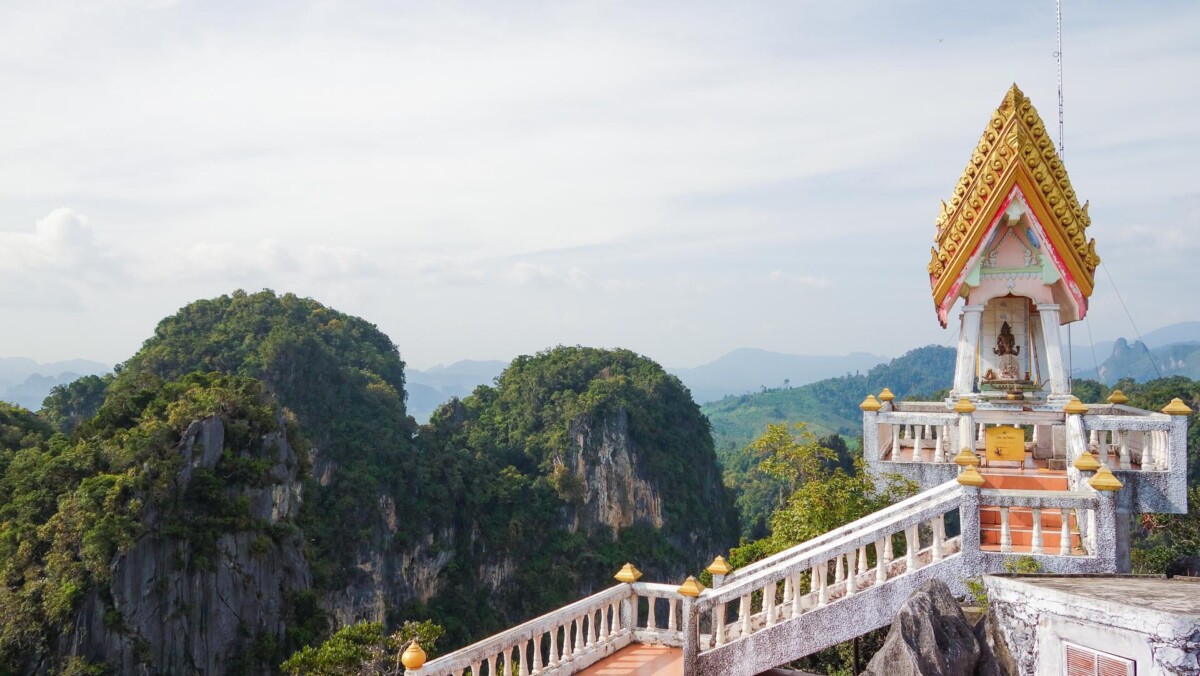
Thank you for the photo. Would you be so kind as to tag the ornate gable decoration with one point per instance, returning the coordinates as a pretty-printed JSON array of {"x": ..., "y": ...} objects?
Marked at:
[{"x": 1015, "y": 150}]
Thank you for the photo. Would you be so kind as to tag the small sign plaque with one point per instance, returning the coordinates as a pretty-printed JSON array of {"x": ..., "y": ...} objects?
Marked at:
[{"x": 1005, "y": 444}]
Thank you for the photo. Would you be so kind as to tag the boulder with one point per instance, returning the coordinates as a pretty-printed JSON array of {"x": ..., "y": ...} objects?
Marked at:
[{"x": 929, "y": 637}]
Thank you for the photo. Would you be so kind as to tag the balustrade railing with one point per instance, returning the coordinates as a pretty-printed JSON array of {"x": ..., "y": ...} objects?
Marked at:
[
  {"x": 1128, "y": 438},
  {"x": 1075, "y": 512},
  {"x": 562, "y": 642},
  {"x": 657, "y": 628}
]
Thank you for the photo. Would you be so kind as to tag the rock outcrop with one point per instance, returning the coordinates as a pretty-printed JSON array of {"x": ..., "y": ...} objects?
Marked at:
[
  {"x": 603, "y": 463},
  {"x": 171, "y": 609},
  {"x": 929, "y": 637}
]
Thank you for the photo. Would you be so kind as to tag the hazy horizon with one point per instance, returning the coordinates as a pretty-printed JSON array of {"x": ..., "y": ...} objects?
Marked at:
[{"x": 680, "y": 179}]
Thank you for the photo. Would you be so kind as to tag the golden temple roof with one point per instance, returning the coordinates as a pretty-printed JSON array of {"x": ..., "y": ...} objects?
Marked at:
[{"x": 1014, "y": 152}]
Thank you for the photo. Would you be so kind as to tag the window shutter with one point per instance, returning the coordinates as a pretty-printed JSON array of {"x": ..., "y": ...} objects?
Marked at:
[{"x": 1081, "y": 661}]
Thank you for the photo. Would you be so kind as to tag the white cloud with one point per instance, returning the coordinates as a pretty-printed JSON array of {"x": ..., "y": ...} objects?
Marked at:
[{"x": 800, "y": 280}]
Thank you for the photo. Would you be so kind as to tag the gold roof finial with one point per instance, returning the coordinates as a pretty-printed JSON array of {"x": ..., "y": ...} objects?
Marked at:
[
  {"x": 1177, "y": 407},
  {"x": 1104, "y": 480},
  {"x": 1117, "y": 398},
  {"x": 870, "y": 403},
  {"x": 1075, "y": 407},
  {"x": 691, "y": 587},
  {"x": 964, "y": 406},
  {"x": 628, "y": 573},
  {"x": 886, "y": 395},
  {"x": 719, "y": 566},
  {"x": 1086, "y": 462},
  {"x": 966, "y": 458},
  {"x": 413, "y": 657},
  {"x": 970, "y": 476}
]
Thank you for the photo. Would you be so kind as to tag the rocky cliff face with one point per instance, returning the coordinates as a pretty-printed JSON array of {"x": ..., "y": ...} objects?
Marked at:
[
  {"x": 613, "y": 491},
  {"x": 173, "y": 609}
]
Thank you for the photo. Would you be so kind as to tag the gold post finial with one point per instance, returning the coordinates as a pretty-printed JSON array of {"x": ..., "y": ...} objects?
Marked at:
[
  {"x": 966, "y": 458},
  {"x": 628, "y": 574},
  {"x": 886, "y": 395},
  {"x": 870, "y": 403},
  {"x": 1086, "y": 462},
  {"x": 1176, "y": 407},
  {"x": 964, "y": 406},
  {"x": 1075, "y": 407},
  {"x": 970, "y": 476},
  {"x": 1117, "y": 398},
  {"x": 413, "y": 657},
  {"x": 691, "y": 587},
  {"x": 1105, "y": 481},
  {"x": 719, "y": 566}
]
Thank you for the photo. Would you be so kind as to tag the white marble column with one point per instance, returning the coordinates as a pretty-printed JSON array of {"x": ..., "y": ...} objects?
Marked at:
[
  {"x": 968, "y": 343},
  {"x": 1048, "y": 313}
]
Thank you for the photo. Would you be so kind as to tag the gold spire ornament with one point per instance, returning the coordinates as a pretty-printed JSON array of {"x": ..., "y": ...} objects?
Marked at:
[
  {"x": 413, "y": 657},
  {"x": 1105, "y": 481},
  {"x": 691, "y": 587},
  {"x": 1086, "y": 462},
  {"x": 886, "y": 395},
  {"x": 964, "y": 406},
  {"x": 870, "y": 403},
  {"x": 1177, "y": 407},
  {"x": 628, "y": 574},
  {"x": 970, "y": 477},
  {"x": 719, "y": 566},
  {"x": 1117, "y": 398}
]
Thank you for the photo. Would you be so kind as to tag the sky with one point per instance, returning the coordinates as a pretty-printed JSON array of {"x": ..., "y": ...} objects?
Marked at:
[{"x": 482, "y": 180}]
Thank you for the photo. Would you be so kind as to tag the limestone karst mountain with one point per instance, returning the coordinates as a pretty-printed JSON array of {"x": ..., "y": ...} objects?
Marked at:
[{"x": 253, "y": 479}]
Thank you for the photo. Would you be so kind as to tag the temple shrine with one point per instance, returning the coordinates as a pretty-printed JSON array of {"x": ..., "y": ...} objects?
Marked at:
[{"x": 1011, "y": 465}]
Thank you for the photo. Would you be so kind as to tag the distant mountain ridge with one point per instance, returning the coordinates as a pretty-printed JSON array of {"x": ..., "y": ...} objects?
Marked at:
[
  {"x": 26, "y": 382},
  {"x": 430, "y": 388},
  {"x": 750, "y": 369}
]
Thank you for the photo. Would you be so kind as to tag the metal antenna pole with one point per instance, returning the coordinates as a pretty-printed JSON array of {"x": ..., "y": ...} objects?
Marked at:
[{"x": 1058, "y": 55}]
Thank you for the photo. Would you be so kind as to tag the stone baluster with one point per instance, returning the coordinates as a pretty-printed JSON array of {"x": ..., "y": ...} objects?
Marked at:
[
  {"x": 918, "y": 437},
  {"x": 823, "y": 585},
  {"x": 1036, "y": 542},
  {"x": 896, "y": 442},
  {"x": 1064, "y": 542},
  {"x": 982, "y": 433},
  {"x": 1102, "y": 445},
  {"x": 880, "y": 561},
  {"x": 1005, "y": 533},
  {"x": 910, "y": 549},
  {"x": 670, "y": 614},
  {"x": 595, "y": 627},
  {"x": 554, "y": 658},
  {"x": 862, "y": 559},
  {"x": 769, "y": 602},
  {"x": 939, "y": 536},
  {"x": 719, "y": 623},
  {"x": 851, "y": 579},
  {"x": 476, "y": 667},
  {"x": 537, "y": 654},
  {"x": 939, "y": 444},
  {"x": 1123, "y": 435},
  {"x": 744, "y": 615},
  {"x": 797, "y": 598},
  {"x": 838, "y": 572},
  {"x": 494, "y": 663},
  {"x": 787, "y": 592},
  {"x": 522, "y": 664},
  {"x": 651, "y": 621}
]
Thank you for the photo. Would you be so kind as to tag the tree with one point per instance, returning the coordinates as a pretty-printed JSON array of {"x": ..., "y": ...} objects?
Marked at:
[{"x": 361, "y": 649}]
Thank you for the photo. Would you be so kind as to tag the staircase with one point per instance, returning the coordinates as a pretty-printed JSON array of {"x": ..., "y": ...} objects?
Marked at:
[{"x": 817, "y": 594}]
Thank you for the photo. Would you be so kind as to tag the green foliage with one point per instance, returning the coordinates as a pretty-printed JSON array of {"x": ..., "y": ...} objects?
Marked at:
[
  {"x": 1164, "y": 538},
  {"x": 824, "y": 496},
  {"x": 828, "y": 407},
  {"x": 362, "y": 648},
  {"x": 1022, "y": 565},
  {"x": 68, "y": 406},
  {"x": 977, "y": 591}
]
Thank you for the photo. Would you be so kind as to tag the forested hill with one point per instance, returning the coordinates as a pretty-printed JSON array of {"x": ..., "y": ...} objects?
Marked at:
[
  {"x": 828, "y": 406},
  {"x": 250, "y": 480}
]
